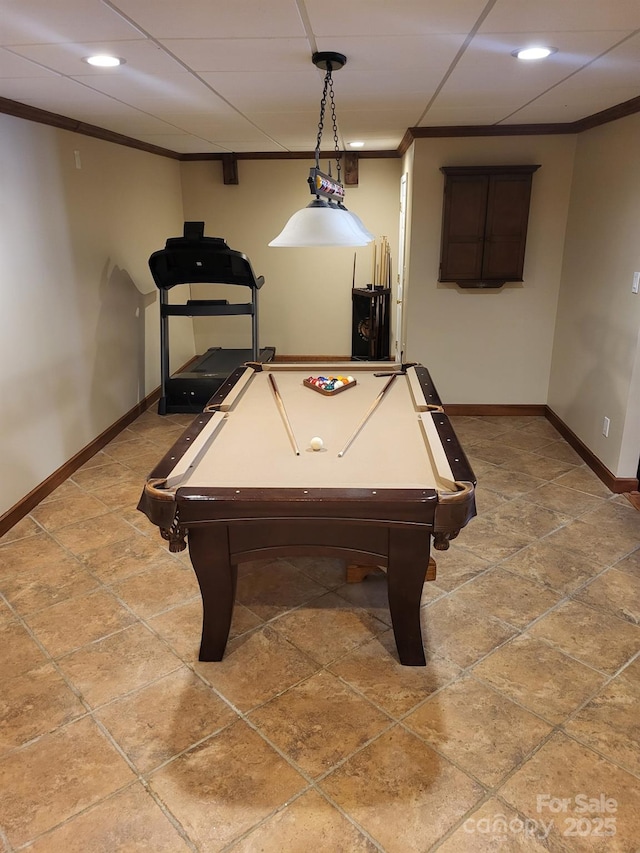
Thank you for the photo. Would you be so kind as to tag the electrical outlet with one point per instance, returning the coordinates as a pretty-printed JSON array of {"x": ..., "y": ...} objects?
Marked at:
[
  {"x": 636, "y": 282},
  {"x": 605, "y": 427},
  {"x": 77, "y": 160}
]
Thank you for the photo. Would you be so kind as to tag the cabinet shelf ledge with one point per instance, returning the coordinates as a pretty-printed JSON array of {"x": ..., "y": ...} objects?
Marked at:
[{"x": 478, "y": 285}]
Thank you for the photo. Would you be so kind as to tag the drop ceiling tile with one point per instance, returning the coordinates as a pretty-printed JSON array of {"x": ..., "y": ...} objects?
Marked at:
[
  {"x": 482, "y": 96},
  {"x": 179, "y": 92},
  {"x": 140, "y": 55},
  {"x": 383, "y": 90},
  {"x": 571, "y": 104},
  {"x": 385, "y": 17},
  {"x": 259, "y": 90},
  {"x": 224, "y": 120},
  {"x": 15, "y": 66},
  {"x": 237, "y": 54},
  {"x": 297, "y": 132},
  {"x": 294, "y": 131},
  {"x": 301, "y": 122},
  {"x": 355, "y": 124},
  {"x": 204, "y": 19},
  {"x": 130, "y": 125},
  {"x": 485, "y": 113},
  {"x": 574, "y": 51},
  {"x": 181, "y": 142},
  {"x": 223, "y": 112},
  {"x": 546, "y": 115},
  {"x": 296, "y": 142},
  {"x": 220, "y": 130},
  {"x": 416, "y": 53},
  {"x": 619, "y": 67},
  {"x": 269, "y": 91},
  {"x": 375, "y": 141},
  {"x": 240, "y": 146},
  {"x": 605, "y": 75},
  {"x": 181, "y": 115},
  {"x": 52, "y": 21},
  {"x": 596, "y": 15},
  {"x": 487, "y": 68},
  {"x": 383, "y": 143},
  {"x": 56, "y": 94}
]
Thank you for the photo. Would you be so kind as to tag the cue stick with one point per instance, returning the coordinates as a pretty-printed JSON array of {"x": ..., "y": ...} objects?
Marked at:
[
  {"x": 368, "y": 415},
  {"x": 283, "y": 412}
]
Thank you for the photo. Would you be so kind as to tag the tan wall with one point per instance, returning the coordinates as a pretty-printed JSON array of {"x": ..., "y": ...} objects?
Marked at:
[
  {"x": 79, "y": 343},
  {"x": 488, "y": 346},
  {"x": 305, "y": 304},
  {"x": 596, "y": 356}
]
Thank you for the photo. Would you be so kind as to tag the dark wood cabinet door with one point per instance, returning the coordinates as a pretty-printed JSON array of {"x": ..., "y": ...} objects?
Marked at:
[
  {"x": 465, "y": 214},
  {"x": 484, "y": 227},
  {"x": 506, "y": 226}
]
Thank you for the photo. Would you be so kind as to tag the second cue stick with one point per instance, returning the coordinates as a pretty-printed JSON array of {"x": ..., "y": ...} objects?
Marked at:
[
  {"x": 283, "y": 412},
  {"x": 368, "y": 415}
]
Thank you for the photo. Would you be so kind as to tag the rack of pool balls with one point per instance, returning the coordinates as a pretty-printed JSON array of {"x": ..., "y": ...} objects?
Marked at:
[{"x": 329, "y": 384}]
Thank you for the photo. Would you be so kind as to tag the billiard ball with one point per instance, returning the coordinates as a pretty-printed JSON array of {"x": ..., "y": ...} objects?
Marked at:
[{"x": 316, "y": 443}]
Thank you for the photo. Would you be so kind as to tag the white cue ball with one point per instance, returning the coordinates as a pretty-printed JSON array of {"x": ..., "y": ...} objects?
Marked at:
[{"x": 316, "y": 443}]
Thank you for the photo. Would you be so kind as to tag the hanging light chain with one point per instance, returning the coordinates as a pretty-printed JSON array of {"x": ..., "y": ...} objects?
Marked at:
[
  {"x": 325, "y": 221},
  {"x": 323, "y": 104},
  {"x": 335, "y": 123},
  {"x": 328, "y": 87}
]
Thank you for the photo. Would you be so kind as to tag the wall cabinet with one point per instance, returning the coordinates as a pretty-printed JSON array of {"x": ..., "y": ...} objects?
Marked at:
[{"x": 484, "y": 226}]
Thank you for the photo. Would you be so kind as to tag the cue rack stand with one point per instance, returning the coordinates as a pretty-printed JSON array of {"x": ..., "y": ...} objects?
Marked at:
[{"x": 370, "y": 327}]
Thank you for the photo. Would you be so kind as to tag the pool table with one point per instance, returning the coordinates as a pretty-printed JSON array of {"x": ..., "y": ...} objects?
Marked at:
[{"x": 243, "y": 483}]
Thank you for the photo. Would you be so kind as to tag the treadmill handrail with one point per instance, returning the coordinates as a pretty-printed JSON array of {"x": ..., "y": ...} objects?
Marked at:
[
  {"x": 197, "y": 262},
  {"x": 191, "y": 310},
  {"x": 196, "y": 259}
]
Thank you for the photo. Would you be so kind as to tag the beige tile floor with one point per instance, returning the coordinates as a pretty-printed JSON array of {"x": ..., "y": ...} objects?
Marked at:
[{"x": 521, "y": 734}]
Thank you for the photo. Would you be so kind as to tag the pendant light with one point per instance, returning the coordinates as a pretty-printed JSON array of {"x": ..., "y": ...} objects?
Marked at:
[{"x": 325, "y": 221}]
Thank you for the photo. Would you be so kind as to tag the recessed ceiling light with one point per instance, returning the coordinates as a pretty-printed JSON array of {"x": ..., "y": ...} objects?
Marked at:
[
  {"x": 534, "y": 52},
  {"x": 102, "y": 60},
  {"x": 356, "y": 145}
]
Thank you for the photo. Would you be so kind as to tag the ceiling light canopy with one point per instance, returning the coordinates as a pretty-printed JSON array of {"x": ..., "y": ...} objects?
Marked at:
[
  {"x": 325, "y": 221},
  {"x": 534, "y": 52},
  {"x": 103, "y": 60}
]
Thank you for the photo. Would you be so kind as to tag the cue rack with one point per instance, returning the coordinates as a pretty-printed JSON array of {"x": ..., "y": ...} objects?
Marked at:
[{"x": 370, "y": 327}]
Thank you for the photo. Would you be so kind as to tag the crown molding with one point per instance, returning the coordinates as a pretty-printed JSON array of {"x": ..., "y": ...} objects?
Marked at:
[
  {"x": 35, "y": 114},
  {"x": 626, "y": 108},
  {"x": 24, "y": 111},
  {"x": 289, "y": 155}
]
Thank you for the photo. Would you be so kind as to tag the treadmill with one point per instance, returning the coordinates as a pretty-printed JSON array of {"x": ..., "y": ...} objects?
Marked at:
[{"x": 196, "y": 259}]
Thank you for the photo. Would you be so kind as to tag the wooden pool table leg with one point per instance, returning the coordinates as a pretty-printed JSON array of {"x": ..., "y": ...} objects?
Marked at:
[
  {"x": 217, "y": 577},
  {"x": 405, "y": 579}
]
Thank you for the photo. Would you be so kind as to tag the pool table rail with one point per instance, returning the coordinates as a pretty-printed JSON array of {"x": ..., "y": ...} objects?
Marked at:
[
  {"x": 240, "y": 375},
  {"x": 392, "y": 525},
  {"x": 175, "y": 511}
]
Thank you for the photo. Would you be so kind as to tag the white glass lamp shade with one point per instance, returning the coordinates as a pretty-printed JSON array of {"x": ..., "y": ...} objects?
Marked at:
[
  {"x": 321, "y": 224},
  {"x": 359, "y": 224}
]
